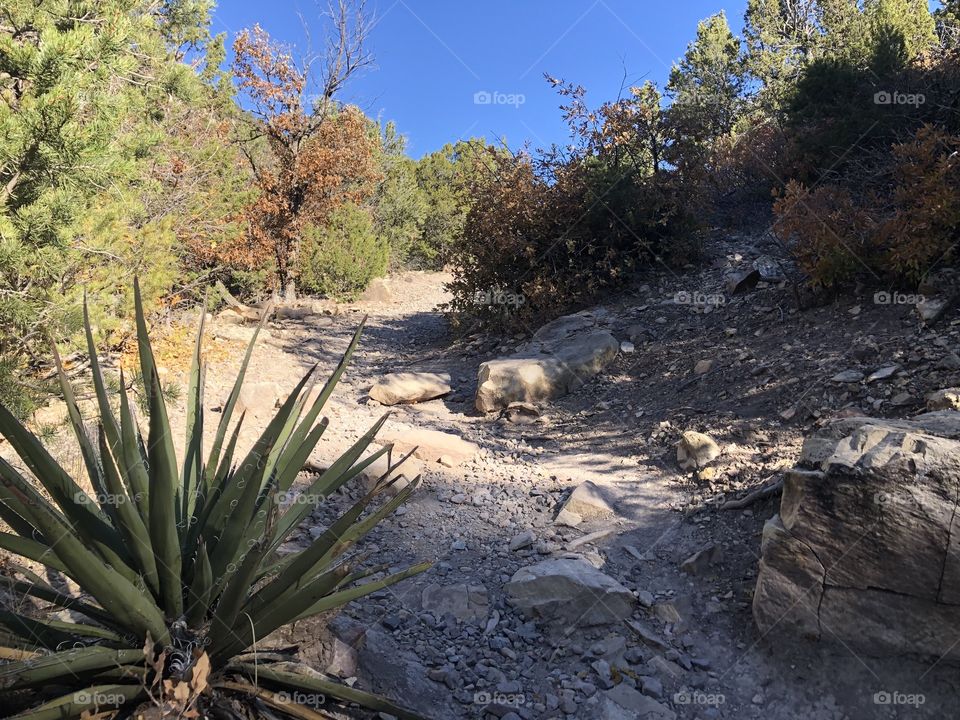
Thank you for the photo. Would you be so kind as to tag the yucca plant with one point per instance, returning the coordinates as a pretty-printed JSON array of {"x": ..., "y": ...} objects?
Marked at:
[{"x": 177, "y": 562}]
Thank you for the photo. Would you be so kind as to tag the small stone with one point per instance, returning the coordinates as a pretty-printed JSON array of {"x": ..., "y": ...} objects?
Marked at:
[
  {"x": 847, "y": 376},
  {"x": 700, "y": 561},
  {"x": 945, "y": 399},
  {"x": 883, "y": 373},
  {"x": 667, "y": 613},
  {"x": 646, "y": 598},
  {"x": 626, "y": 347},
  {"x": 524, "y": 539},
  {"x": 696, "y": 450},
  {"x": 702, "y": 367}
]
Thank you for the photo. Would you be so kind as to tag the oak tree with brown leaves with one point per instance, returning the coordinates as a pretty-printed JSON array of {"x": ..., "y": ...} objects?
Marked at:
[{"x": 318, "y": 153}]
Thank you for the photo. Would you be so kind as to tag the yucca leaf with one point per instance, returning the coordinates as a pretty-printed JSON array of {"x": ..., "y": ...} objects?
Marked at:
[
  {"x": 130, "y": 523},
  {"x": 332, "y": 543},
  {"x": 212, "y": 493},
  {"x": 58, "y": 665},
  {"x": 300, "y": 434},
  {"x": 79, "y": 508},
  {"x": 198, "y": 598},
  {"x": 80, "y": 430},
  {"x": 332, "y": 478},
  {"x": 32, "y": 550},
  {"x": 252, "y": 467},
  {"x": 213, "y": 460},
  {"x": 52, "y": 634},
  {"x": 235, "y": 594},
  {"x": 11, "y": 511},
  {"x": 85, "y": 702},
  {"x": 295, "y": 574},
  {"x": 291, "y": 462},
  {"x": 298, "y": 682},
  {"x": 193, "y": 457},
  {"x": 44, "y": 592},
  {"x": 342, "y": 597},
  {"x": 144, "y": 350},
  {"x": 243, "y": 634},
  {"x": 132, "y": 460},
  {"x": 115, "y": 593},
  {"x": 107, "y": 418},
  {"x": 164, "y": 506}
]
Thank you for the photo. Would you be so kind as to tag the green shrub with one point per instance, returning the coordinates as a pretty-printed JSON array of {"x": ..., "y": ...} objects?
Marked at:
[{"x": 342, "y": 257}]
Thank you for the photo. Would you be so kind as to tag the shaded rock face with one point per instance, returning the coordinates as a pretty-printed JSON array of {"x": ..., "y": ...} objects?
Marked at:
[
  {"x": 410, "y": 387},
  {"x": 560, "y": 358},
  {"x": 866, "y": 547},
  {"x": 569, "y": 590}
]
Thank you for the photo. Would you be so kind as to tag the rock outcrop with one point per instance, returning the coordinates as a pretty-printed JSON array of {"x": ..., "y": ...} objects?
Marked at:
[
  {"x": 866, "y": 547},
  {"x": 560, "y": 358}
]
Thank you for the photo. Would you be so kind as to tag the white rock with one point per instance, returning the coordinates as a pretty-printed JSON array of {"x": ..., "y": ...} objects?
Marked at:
[
  {"x": 696, "y": 450},
  {"x": 410, "y": 387}
]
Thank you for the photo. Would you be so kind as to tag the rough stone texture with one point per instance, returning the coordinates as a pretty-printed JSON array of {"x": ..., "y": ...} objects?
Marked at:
[
  {"x": 410, "y": 387},
  {"x": 464, "y": 602},
  {"x": 625, "y": 703},
  {"x": 587, "y": 502},
  {"x": 696, "y": 450},
  {"x": 560, "y": 358},
  {"x": 377, "y": 291},
  {"x": 946, "y": 399},
  {"x": 430, "y": 445},
  {"x": 258, "y": 398},
  {"x": 865, "y": 547},
  {"x": 570, "y": 590}
]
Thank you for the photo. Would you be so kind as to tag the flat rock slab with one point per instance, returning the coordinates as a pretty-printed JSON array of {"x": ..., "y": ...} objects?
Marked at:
[
  {"x": 431, "y": 445},
  {"x": 569, "y": 591},
  {"x": 560, "y": 358},
  {"x": 625, "y": 703},
  {"x": 410, "y": 387}
]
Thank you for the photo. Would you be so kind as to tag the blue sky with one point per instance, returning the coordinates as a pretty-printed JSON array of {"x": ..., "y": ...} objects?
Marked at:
[{"x": 433, "y": 57}]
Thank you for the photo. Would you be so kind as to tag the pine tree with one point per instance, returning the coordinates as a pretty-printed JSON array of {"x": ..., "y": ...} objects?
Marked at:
[
  {"x": 707, "y": 84},
  {"x": 900, "y": 30},
  {"x": 781, "y": 38},
  {"x": 947, "y": 18}
]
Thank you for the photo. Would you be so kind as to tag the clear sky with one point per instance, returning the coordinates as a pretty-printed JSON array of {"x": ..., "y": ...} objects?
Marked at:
[{"x": 447, "y": 70}]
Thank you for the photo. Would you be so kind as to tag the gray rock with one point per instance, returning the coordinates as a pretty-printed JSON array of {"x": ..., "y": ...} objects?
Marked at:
[
  {"x": 625, "y": 703},
  {"x": 945, "y": 399},
  {"x": 561, "y": 357},
  {"x": 695, "y": 450},
  {"x": 431, "y": 445},
  {"x": 847, "y": 376},
  {"x": 867, "y": 542},
  {"x": 410, "y": 387},
  {"x": 700, "y": 561},
  {"x": 464, "y": 602},
  {"x": 586, "y": 502},
  {"x": 524, "y": 539},
  {"x": 569, "y": 591}
]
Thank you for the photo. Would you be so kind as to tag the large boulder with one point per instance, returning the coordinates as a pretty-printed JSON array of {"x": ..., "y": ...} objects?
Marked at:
[
  {"x": 560, "y": 358},
  {"x": 569, "y": 590},
  {"x": 410, "y": 387},
  {"x": 866, "y": 547}
]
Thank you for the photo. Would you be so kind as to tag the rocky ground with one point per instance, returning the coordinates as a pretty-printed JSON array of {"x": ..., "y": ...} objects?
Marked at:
[{"x": 527, "y": 614}]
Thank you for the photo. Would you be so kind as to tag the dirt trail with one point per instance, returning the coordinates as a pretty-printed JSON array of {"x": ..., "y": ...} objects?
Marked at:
[{"x": 448, "y": 643}]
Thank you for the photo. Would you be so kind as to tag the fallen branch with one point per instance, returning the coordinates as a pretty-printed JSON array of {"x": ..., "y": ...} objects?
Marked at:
[{"x": 760, "y": 493}]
